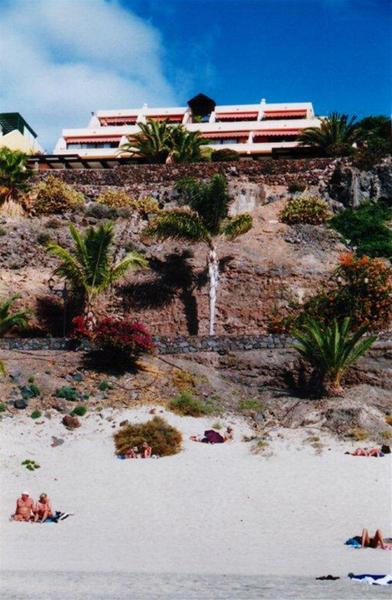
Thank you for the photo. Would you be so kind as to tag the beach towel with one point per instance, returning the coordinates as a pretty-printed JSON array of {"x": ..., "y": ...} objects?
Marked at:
[
  {"x": 372, "y": 579},
  {"x": 354, "y": 542},
  {"x": 58, "y": 516},
  {"x": 212, "y": 437}
]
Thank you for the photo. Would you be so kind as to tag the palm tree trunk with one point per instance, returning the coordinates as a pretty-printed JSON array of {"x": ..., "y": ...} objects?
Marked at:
[
  {"x": 213, "y": 274},
  {"x": 333, "y": 385}
]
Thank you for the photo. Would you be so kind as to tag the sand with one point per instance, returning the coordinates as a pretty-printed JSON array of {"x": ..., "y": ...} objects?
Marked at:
[{"x": 208, "y": 510}]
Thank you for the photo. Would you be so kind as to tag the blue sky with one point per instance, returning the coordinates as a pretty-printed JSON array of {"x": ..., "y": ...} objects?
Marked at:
[
  {"x": 336, "y": 53},
  {"x": 62, "y": 59}
]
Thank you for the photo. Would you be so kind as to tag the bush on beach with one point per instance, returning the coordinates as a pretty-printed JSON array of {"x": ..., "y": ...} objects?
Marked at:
[{"x": 164, "y": 439}]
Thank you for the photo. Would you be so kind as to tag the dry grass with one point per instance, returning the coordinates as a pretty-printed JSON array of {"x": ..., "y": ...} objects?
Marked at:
[
  {"x": 388, "y": 420},
  {"x": 358, "y": 434},
  {"x": 10, "y": 208},
  {"x": 164, "y": 439}
]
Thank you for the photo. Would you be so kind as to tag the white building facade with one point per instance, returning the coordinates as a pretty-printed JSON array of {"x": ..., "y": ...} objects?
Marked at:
[{"x": 249, "y": 129}]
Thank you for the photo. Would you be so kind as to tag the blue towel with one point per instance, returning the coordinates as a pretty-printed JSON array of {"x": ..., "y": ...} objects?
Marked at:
[{"x": 353, "y": 542}]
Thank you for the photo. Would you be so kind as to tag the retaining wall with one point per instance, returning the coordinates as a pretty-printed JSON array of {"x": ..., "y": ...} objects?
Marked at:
[{"x": 177, "y": 345}]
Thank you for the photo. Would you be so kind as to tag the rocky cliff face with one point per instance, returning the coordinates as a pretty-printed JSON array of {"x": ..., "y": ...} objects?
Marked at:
[{"x": 348, "y": 186}]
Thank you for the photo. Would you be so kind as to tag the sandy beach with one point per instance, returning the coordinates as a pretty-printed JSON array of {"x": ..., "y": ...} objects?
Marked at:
[{"x": 210, "y": 509}]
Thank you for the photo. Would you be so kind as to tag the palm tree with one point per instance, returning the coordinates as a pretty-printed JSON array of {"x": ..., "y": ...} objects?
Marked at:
[
  {"x": 89, "y": 267},
  {"x": 13, "y": 174},
  {"x": 160, "y": 142},
  {"x": 335, "y": 136},
  {"x": 152, "y": 143},
  {"x": 185, "y": 146},
  {"x": 206, "y": 220},
  {"x": 331, "y": 350},
  {"x": 10, "y": 320}
]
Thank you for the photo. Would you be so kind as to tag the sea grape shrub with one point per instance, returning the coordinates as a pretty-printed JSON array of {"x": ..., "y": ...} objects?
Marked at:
[
  {"x": 164, "y": 439},
  {"x": 120, "y": 340},
  {"x": 54, "y": 196},
  {"x": 305, "y": 209},
  {"x": 361, "y": 289}
]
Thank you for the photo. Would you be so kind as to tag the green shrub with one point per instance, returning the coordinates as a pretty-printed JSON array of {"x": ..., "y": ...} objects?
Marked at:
[
  {"x": 367, "y": 228},
  {"x": 31, "y": 465},
  {"x": 162, "y": 437},
  {"x": 3, "y": 232},
  {"x": 53, "y": 196},
  {"x": 224, "y": 155},
  {"x": 250, "y": 404},
  {"x": 36, "y": 414},
  {"x": 43, "y": 238},
  {"x": 296, "y": 186},
  {"x": 30, "y": 391},
  {"x": 104, "y": 385},
  {"x": 186, "y": 404},
  {"x": 3, "y": 407},
  {"x": 69, "y": 393},
  {"x": 305, "y": 209},
  {"x": 79, "y": 411}
]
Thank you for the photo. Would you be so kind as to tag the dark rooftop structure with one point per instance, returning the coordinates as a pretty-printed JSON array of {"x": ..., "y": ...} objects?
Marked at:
[{"x": 14, "y": 120}]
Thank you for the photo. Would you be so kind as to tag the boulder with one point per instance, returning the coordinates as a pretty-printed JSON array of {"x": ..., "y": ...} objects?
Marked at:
[
  {"x": 70, "y": 422},
  {"x": 20, "y": 403}
]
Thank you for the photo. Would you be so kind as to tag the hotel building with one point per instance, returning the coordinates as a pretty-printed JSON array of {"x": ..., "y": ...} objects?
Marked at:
[{"x": 249, "y": 129}]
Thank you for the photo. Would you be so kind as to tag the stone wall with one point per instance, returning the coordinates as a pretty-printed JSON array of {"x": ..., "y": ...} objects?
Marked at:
[
  {"x": 158, "y": 180},
  {"x": 181, "y": 344}
]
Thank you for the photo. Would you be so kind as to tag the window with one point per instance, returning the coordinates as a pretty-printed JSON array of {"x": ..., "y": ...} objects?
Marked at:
[{"x": 87, "y": 145}]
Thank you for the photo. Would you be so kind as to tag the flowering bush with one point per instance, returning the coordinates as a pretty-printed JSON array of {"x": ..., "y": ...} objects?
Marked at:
[
  {"x": 361, "y": 289},
  {"x": 305, "y": 209},
  {"x": 120, "y": 340}
]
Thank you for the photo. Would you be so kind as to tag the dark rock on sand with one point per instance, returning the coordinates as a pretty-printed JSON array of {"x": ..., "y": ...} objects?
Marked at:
[
  {"x": 20, "y": 403},
  {"x": 70, "y": 422}
]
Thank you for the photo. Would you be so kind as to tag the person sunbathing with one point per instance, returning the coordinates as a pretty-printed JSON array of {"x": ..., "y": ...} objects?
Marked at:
[
  {"x": 214, "y": 437},
  {"x": 24, "y": 508},
  {"x": 146, "y": 450},
  {"x": 375, "y": 541},
  {"x": 43, "y": 509},
  {"x": 132, "y": 453},
  {"x": 367, "y": 452}
]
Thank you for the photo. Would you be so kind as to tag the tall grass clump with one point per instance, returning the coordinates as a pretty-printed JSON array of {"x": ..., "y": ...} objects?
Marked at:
[
  {"x": 186, "y": 404},
  {"x": 164, "y": 439}
]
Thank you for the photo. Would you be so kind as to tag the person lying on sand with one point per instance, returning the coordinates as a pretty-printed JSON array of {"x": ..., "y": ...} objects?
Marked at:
[
  {"x": 371, "y": 451},
  {"x": 43, "y": 509},
  {"x": 24, "y": 508},
  {"x": 214, "y": 437},
  {"x": 373, "y": 542}
]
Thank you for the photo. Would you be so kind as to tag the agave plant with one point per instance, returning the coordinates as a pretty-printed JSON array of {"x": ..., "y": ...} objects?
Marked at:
[
  {"x": 206, "y": 220},
  {"x": 14, "y": 174},
  {"x": 331, "y": 350},
  {"x": 335, "y": 136},
  {"x": 90, "y": 267}
]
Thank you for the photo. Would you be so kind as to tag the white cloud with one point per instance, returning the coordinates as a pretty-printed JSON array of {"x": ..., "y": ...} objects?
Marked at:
[{"x": 62, "y": 59}]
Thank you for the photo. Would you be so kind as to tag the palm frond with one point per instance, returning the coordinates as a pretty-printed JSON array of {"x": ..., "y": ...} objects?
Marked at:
[
  {"x": 236, "y": 226},
  {"x": 132, "y": 261},
  {"x": 178, "y": 224}
]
